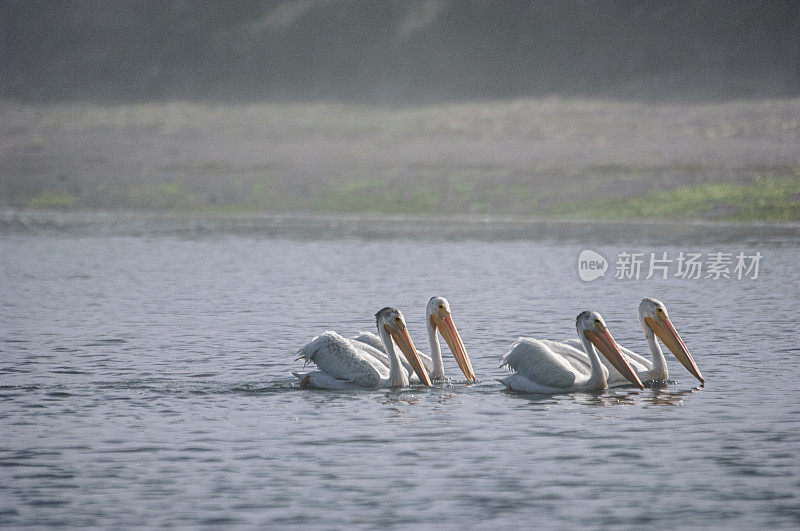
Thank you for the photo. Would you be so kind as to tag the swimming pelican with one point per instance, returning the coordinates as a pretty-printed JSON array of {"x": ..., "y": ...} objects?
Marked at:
[
  {"x": 343, "y": 366},
  {"x": 541, "y": 367},
  {"x": 655, "y": 322},
  {"x": 437, "y": 317}
]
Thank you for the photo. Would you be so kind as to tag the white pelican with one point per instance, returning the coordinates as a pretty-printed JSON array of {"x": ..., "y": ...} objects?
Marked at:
[
  {"x": 437, "y": 317},
  {"x": 344, "y": 366},
  {"x": 655, "y": 322},
  {"x": 541, "y": 367}
]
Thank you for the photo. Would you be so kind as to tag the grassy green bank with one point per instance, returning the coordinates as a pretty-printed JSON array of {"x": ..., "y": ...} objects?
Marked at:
[{"x": 766, "y": 199}]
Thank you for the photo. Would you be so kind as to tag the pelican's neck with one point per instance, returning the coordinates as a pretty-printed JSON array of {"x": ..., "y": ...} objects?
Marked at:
[
  {"x": 598, "y": 378},
  {"x": 397, "y": 374},
  {"x": 436, "y": 352},
  {"x": 659, "y": 371}
]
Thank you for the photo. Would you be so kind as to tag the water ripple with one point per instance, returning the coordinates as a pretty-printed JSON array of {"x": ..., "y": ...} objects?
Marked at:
[{"x": 155, "y": 391}]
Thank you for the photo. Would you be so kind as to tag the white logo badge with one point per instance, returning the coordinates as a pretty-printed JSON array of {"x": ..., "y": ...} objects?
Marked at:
[{"x": 591, "y": 265}]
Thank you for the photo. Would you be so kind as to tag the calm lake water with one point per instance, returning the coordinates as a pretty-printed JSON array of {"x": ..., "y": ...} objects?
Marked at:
[{"x": 145, "y": 381}]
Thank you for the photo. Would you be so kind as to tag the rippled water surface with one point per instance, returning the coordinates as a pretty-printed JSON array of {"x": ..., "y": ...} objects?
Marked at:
[{"x": 145, "y": 380}]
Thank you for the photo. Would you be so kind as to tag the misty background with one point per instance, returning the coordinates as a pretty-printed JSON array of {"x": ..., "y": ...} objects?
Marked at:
[
  {"x": 416, "y": 51},
  {"x": 575, "y": 108}
]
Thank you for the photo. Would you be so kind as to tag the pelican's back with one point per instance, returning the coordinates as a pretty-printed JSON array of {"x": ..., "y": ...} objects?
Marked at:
[
  {"x": 370, "y": 339},
  {"x": 538, "y": 363},
  {"x": 572, "y": 353},
  {"x": 337, "y": 357}
]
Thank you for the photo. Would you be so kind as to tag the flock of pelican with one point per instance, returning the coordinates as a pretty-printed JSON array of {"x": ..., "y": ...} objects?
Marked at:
[{"x": 369, "y": 361}]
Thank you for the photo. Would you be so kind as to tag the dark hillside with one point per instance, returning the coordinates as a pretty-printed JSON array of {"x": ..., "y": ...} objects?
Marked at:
[{"x": 397, "y": 52}]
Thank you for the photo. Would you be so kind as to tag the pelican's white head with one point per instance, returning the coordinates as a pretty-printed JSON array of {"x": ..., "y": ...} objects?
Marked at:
[
  {"x": 652, "y": 308},
  {"x": 439, "y": 317},
  {"x": 391, "y": 321},
  {"x": 653, "y": 315},
  {"x": 589, "y": 320},
  {"x": 592, "y": 327},
  {"x": 438, "y": 306}
]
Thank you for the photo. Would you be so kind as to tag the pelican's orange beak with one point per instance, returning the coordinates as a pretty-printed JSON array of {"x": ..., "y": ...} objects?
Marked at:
[
  {"x": 403, "y": 340},
  {"x": 609, "y": 348},
  {"x": 669, "y": 336},
  {"x": 453, "y": 339}
]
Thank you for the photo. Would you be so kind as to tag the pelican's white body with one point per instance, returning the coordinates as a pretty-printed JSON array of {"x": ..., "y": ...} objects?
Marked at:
[
  {"x": 542, "y": 366},
  {"x": 345, "y": 364}
]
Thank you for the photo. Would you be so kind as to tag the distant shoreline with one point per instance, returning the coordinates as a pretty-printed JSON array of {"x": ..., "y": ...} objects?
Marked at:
[
  {"x": 527, "y": 159},
  {"x": 374, "y": 226}
]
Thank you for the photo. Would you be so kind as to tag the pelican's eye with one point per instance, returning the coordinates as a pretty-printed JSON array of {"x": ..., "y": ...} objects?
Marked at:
[
  {"x": 660, "y": 310},
  {"x": 396, "y": 318},
  {"x": 441, "y": 306}
]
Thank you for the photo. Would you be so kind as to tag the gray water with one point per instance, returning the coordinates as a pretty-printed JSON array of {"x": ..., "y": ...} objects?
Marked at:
[{"x": 145, "y": 381}]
